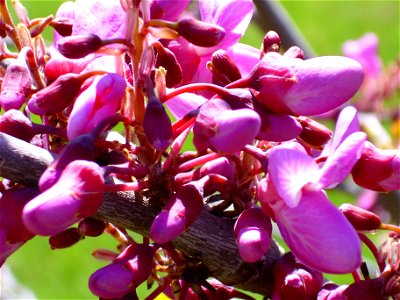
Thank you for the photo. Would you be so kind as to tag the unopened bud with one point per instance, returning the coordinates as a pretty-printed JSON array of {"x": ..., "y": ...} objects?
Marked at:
[
  {"x": 377, "y": 169},
  {"x": 92, "y": 227},
  {"x": 54, "y": 98},
  {"x": 271, "y": 43},
  {"x": 293, "y": 280},
  {"x": 63, "y": 26},
  {"x": 294, "y": 52},
  {"x": 223, "y": 68},
  {"x": 156, "y": 122},
  {"x": 360, "y": 218},
  {"x": 200, "y": 33},
  {"x": 79, "y": 46},
  {"x": 166, "y": 59},
  {"x": 314, "y": 134},
  {"x": 65, "y": 238},
  {"x": 16, "y": 124}
]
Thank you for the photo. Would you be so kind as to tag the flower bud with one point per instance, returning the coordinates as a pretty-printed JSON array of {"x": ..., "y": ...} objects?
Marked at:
[
  {"x": 314, "y": 134},
  {"x": 16, "y": 124},
  {"x": 91, "y": 227},
  {"x": 63, "y": 26},
  {"x": 65, "y": 238},
  {"x": 360, "y": 218},
  {"x": 129, "y": 269},
  {"x": 54, "y": 98},
  {"x": 377, "y": 169},
  {"x": 294, "y": 52},
  {"x": 156, "y": 122},
  {"x": 178, "y": 214},
  {"x": 166, "y": 59},
  {"x": 16, "y": 84},
  {"x": 253, "y": 234},
  {"x": 223, "y": 68},
  {"x": 271, "y": 43},
  {"x": 200, "y": 33},
  {"x": 77, "y": 194},
  {"x": 78, "y": 46},
  {"x": 292, "y": 280}
]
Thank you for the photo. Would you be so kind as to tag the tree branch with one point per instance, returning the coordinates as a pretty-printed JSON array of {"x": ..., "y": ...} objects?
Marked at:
[{"x": 210, "y": 238}]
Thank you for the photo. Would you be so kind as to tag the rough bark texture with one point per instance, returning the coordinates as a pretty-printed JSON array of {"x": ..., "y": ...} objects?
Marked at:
[{"x": 209, "y": 239}]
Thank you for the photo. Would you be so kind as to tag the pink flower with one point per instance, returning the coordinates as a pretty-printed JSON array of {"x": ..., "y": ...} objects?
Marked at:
[
  {"x": 100, "y": 100},
  {"x": 303, "y": 87},
  {"x": 314, "y": 229},
  {"x": 77, "y": 194}
]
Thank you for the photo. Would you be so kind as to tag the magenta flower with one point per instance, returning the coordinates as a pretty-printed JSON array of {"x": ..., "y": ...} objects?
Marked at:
[
  {"x": 314, "y": 229},
  {"x": 124, "y": 274},
  {"x": 253, "y": 234},
  {"x": 77, "y": 194},
  {"x": 178, "y": 214},
  {"x": 100, "y": 100},
  {"x": 303, "y": 87},
  {"x": 292, "y": 280},
  {"x": 378, "y": 169},
  {"x": 224, "y": 130}
]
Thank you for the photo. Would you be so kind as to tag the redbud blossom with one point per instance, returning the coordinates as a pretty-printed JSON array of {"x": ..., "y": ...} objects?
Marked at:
[
  {"x": 200, "y": 33},
  {"x": 304, "y": 87},
  {"x": 16, "y": 124},
  {"x": 360, "y": 218},
  {"x": 16, "y": 84},
  {"x": 77, "y": 194},
  {"x": 127, "y": 271},
  {"x": 100, "y": 100},
  {"x": 253, "y": 234},
  {"x": 224, "y": 130},
  {"x": 292, "y": 280},
  {"x": 294, "y": 52},
  {"x": 378, "y": 169},
  {"x": 177, "y": 215},
  {"x": 54, "y": 98}
]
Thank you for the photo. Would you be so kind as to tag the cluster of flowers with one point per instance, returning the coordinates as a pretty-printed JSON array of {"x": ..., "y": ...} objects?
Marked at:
[{"x": 258, "y": 157}]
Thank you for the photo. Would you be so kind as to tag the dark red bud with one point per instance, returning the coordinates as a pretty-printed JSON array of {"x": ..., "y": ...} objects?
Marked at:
[
  {"x": 314, "y": 134},
  {"x": 166, "y": 59},
  {"x": 271, "y": 43},
  {"x": 200, "y": 33},
  {"x": 16, "y": 124},
  {"x": 54, "y": 98},
  {"x": 223, "y": 68},
  {"x": 63, "y": 26},
  {"x": 79, "y": 46},
  {"x": 294, "y": 52},
  {"x": 92, "y": 227},
  {"x": 65, "y": 238},
  {"x": 360, "y": 218}
]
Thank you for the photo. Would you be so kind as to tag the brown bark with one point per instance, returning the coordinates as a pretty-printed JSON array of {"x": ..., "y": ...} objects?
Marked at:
[{"x": 209, "y": 239}]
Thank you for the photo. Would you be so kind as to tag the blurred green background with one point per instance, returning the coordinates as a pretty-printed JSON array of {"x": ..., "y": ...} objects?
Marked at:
[{"x": 63, "y": 274}]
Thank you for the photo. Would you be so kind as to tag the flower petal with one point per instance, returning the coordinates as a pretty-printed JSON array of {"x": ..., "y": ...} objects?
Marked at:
[
  {"x": 340, "y": 163},
  {"x": 290, "y": 171},
  {"x": 319, "y": 235}
]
